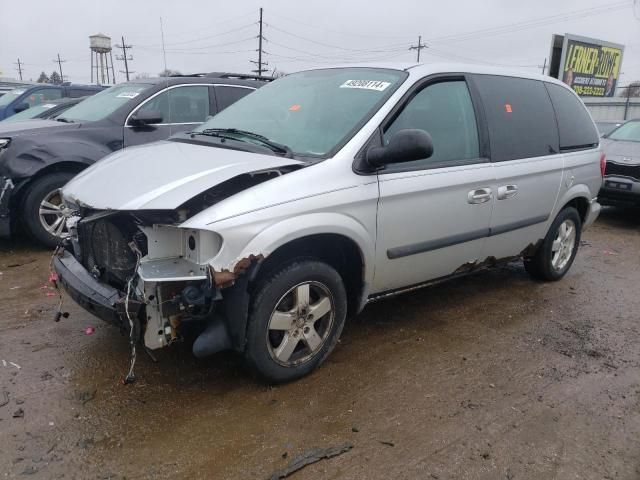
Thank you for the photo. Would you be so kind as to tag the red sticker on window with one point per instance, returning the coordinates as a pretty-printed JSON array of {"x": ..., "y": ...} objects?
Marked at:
[
  {"x": 507, "y": 107},
  {"x": 294, "y": 108}
]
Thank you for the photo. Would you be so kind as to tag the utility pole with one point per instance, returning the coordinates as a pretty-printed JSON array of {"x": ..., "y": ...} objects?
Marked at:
[
  {"x": 418, "y": 47},
  {"x": 260, "y": 63},
  {"x": 60, "y": 62},
  {"x": 19, "y": 64},
  {"x": 124, "y": 57}
]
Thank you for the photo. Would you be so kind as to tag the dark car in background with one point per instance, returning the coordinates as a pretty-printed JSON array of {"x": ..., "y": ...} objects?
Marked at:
[
  {"x": 37, "y": 157},
  {"x": 49, "y": 109},
  {"x": 622, "y": 174},
  {"x": 22, "y": 98}
]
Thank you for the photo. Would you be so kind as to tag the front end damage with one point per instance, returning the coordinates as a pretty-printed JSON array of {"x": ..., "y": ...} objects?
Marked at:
[{"x": 143, "y": 273}]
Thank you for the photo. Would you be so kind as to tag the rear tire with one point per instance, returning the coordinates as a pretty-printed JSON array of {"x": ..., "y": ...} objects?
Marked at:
[
  {"x": 298, "y": 312},
  {"x": 41, "y": 216},
  {"x": 555, "y": 255}
]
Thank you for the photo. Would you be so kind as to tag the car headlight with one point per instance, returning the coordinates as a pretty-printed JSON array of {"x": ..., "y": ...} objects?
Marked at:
[{"x": 4, "y": 143}]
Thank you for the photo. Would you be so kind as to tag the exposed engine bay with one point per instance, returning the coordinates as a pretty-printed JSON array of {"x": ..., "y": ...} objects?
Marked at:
[{"x": 160, "y": 272}]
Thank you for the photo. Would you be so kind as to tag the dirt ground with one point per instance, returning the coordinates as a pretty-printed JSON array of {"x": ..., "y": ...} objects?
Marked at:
[{"x": 490, "y": 377}]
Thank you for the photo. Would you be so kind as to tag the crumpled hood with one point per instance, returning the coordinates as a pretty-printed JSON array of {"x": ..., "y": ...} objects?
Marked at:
[
  {"x": 32, "y": 127},
  {"x": 617, "y": 150},
  {"x": 162, "y": 176}
]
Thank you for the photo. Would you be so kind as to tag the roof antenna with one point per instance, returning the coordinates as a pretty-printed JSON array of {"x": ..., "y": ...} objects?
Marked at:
[{"x": 164, "y": 51}]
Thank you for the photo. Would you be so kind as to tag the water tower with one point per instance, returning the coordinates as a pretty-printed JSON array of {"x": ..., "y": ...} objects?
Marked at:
[{"x": 101, "y": 59}]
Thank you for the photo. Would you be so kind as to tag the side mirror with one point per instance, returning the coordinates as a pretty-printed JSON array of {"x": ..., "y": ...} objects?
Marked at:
[
  {"x": 21, "y": 107},
  {"x": 404, "y": 146},
  {"x": 145, "y": 117}
]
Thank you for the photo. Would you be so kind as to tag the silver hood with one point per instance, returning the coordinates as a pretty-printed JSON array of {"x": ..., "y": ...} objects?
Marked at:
[
  {"x": 162, "y": 176},
  {"x": 622, "y": 151}
]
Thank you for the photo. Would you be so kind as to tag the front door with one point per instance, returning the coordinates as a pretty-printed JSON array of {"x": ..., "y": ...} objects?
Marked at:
[
  {"x": 182, "y": 107},
  {"x": 434, "y": 214}
]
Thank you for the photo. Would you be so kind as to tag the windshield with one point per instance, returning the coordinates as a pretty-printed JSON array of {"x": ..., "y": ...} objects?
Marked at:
[
  {"x": 10, "y": 96},
  {"x": 102, "y": 104},
  {"x": 29, "y": 113},
  {"x": 312, "y": 112},
  {"x": 630, "y": 131}
]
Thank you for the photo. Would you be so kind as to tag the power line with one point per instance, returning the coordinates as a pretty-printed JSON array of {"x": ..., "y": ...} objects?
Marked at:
[
  {"x": 532, "y": 23},
  {"x": 124, "y": 57},
  {"x": 192, "y": 31},
  {"x": 328, "y": 44},
  {"x": 19, "y": 68},
  {"x": 418, "y": 47},
  {"x": 199, "y": 39},
  {"x": 261, "y": 38},
  {"x": 352, "y": 34}
]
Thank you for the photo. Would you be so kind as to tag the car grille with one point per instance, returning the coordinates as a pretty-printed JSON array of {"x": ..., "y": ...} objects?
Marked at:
[
  {"x": 105, "y": 249},
  {"x": 620, "y": 170}
]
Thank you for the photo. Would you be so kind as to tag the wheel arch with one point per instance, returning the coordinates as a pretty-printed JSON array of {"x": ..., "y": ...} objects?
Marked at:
[
  {"x": 62, "y": 166},
  {"x": 578, "y": 197}
]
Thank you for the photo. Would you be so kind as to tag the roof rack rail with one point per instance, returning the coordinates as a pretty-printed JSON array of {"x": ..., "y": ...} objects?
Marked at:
[{"x": 240, "y": 76}]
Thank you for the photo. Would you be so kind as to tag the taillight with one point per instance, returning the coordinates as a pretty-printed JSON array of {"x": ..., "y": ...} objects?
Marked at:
[{"x": 603, "y": 164}]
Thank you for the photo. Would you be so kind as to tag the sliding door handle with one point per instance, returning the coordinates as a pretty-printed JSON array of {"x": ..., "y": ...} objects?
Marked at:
[
  {"x": 507, "y": 191},
  {"x": 480, "y": 195}
]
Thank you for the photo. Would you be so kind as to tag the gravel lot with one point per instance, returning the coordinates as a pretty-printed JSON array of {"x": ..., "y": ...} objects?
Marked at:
[{"x": 491, "y": 377}]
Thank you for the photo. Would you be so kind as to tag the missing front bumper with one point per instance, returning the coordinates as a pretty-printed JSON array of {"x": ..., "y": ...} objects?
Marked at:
[{"x": 86, "y": 291}]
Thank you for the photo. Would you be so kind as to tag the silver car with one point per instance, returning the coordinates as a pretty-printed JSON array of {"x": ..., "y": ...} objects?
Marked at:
[
  {"x": 622, "y": 175},
  {"x": 264, "y": 228}
]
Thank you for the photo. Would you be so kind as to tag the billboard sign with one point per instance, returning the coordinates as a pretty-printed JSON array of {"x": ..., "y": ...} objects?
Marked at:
[{"x": 590, "y": 66}]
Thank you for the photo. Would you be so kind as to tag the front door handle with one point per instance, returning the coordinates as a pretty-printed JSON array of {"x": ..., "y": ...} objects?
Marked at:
[
  {"x": 507, "y": 191},
  {"x": 480, "y": 195}
]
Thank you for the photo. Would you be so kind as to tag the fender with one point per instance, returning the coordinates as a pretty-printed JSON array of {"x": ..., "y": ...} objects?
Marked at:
[
  {"x": 285, "y": 231},
  {"x": 31, "y": 155},
  {"x": 576, "y": 191}
]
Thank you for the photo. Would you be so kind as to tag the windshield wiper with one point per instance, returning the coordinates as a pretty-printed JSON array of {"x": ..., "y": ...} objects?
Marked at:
[
  {"x": 64, "y": 120},
  {"x": 232, "y": 132}
]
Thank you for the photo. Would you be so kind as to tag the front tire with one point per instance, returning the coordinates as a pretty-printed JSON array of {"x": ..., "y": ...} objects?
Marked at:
[
  {"x": 558, "y": 250},
  {"x": 297, "y": 315},
  {"x": 41, "y": 213}
]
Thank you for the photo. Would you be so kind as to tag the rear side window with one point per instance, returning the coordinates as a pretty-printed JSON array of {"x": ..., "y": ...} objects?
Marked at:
[
  {"x": 78, "y": 92},
  {"x": 576, "y": 127},
  {"x": 228, "y": 95},
  {"x": 520, "y": 117}
]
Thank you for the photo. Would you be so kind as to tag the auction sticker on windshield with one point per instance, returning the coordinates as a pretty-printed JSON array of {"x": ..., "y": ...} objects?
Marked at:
[
  {"x": 128, "y": 95},
  {"x": 366, "y": 85}
]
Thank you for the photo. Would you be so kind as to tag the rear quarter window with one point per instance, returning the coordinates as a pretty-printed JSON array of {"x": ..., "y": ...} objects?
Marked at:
[
  {"x": 520, "y": 117},
  {"x": 226, "y": 96},
  {"x": 574, "y": 123}
]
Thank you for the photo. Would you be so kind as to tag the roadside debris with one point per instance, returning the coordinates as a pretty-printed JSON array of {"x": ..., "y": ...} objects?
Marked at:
[
  {"x": 20, "y": 264},
  {"x": 15, "y": 365},
  {"x": 19, "y": 413},
  {"x": 311, "y": 456},
  {"x": 6, "y": 399},
  {"x": 387, "y": 443},
  {"x": 89, "y": 330},
  {"x": 86, "y": 396}
]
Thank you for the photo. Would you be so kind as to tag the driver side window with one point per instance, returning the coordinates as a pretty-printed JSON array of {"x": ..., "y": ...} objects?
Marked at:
[{"x": 446, "y": 112}]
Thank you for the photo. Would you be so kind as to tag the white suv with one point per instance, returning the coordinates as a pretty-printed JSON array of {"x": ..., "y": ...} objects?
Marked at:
[{"x": 264, "y": 228}]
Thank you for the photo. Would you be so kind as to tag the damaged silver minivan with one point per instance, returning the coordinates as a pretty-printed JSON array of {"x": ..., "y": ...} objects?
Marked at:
[{"x": 264, "y": 228}]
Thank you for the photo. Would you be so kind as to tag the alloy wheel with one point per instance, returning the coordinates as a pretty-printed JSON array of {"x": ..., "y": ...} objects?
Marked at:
[
  {"x": 300, "y": 323},
  {"x": 563, "y": 245},
  {"x": 51, "y": 213}
]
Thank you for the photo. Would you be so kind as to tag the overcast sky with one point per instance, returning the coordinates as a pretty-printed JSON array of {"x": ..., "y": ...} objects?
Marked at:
[{"x": 203, "y": 36}]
